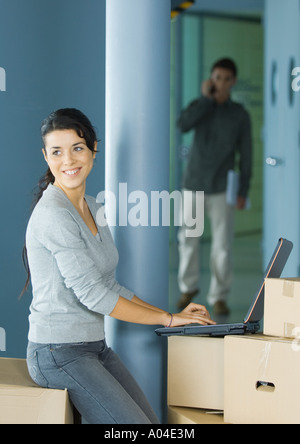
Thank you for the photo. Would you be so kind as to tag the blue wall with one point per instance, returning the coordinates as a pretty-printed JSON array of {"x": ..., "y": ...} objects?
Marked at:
[
  {"x": 53, "y": 52},
  {"x": 281, "y": 130}
]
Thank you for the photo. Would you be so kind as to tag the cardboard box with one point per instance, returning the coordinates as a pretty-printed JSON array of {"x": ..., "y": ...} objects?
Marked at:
[
  {"x": 23, "y": 402},
  {"x": 183, "y": 415},
  {"x": 196, "y": 372},
  {"x": 282, "y": 308},
  {"x": 262, "y": 380}
]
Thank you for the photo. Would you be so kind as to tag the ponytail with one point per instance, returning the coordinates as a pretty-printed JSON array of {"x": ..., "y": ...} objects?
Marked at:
[{"x": 42, "y": 185}]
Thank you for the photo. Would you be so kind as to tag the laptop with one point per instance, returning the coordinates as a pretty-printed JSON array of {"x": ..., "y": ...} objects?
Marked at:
[{"x": 251, "y": 323}]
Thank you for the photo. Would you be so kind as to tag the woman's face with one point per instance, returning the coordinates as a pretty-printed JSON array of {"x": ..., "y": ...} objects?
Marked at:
[{"x": 68, "y": 158}]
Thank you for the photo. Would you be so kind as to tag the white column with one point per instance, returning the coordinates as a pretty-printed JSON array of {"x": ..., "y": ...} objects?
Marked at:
[{"x": 137, "y": 154}]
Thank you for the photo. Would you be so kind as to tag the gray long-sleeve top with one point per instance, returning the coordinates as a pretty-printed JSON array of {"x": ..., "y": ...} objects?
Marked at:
[
  {"x": 221, "y": 133},
  {"x": 72, "y": 272}
]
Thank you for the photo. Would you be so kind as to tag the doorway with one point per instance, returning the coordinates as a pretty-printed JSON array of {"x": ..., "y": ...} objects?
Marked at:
[{"x": 198, "y": 40}]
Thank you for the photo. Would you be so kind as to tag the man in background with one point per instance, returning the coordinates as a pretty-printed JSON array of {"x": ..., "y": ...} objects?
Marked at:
[{"x": 222, "y": 134}]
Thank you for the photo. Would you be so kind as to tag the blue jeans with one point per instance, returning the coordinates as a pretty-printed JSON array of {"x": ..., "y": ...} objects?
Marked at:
[{"x": 99, "y": 385}]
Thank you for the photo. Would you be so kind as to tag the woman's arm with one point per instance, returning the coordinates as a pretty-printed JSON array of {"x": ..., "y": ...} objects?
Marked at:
[
  {"x": 139, "y": 312},
  {"x": 139, "y": 301}
]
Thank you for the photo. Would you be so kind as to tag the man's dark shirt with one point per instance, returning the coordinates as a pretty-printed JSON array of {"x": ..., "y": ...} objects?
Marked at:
[{"x": 222, "y": 132}]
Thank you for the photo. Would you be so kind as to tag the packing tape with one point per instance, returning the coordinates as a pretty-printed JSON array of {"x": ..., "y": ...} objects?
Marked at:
[
  {"x": 264, "y": 361},
  {"x": 288, "y": 289},
  {"x": 289, "y": 330}
]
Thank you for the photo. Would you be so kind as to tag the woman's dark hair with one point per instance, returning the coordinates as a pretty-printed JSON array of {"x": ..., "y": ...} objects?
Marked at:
[
  {"x": 62, "y": 119},
  {"x": 65, "y": 119}
]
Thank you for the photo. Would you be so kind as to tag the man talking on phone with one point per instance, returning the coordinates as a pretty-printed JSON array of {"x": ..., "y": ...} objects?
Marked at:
[{"x": 222, "y": 138}]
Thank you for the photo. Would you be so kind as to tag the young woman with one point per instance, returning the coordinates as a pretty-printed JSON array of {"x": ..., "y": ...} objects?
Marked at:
[{"x": 71, "y": 262}]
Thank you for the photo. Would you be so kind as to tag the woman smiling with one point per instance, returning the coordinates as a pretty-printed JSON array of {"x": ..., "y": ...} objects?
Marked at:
[{"x": 72, "y": 263}]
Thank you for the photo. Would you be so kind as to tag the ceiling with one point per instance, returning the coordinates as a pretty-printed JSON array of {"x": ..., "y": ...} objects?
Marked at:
[{"x": 253, "y": 7}]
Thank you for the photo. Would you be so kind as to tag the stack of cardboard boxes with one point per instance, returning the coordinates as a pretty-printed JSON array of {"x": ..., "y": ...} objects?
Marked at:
[
  {"x": 195, "y": 380},
  {"x": 253, "y": 379},
  {"x": 262, "y": 373}
]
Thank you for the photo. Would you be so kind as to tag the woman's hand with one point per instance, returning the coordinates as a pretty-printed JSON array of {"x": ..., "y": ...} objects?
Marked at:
[{"x": 192, "y": 314}]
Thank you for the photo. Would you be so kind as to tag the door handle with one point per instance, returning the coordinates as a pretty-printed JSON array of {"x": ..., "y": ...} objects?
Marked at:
[{"x": 274, "y": 161}]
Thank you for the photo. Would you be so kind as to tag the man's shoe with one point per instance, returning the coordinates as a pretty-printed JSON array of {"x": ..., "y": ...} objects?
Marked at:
[
  {"x": 186, "y": 299},
  {"x": 221, "y": 309}
]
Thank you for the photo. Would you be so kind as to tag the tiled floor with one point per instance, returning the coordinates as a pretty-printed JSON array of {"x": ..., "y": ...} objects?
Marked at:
[{"x": 248, "y": 272}]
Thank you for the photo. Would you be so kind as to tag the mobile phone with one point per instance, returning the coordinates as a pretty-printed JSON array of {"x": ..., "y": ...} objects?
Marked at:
[{"x": 213, "y": 90}]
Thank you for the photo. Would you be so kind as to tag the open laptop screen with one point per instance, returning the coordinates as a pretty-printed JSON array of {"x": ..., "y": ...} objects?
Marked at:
[{"x": 274, "y": 270}]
